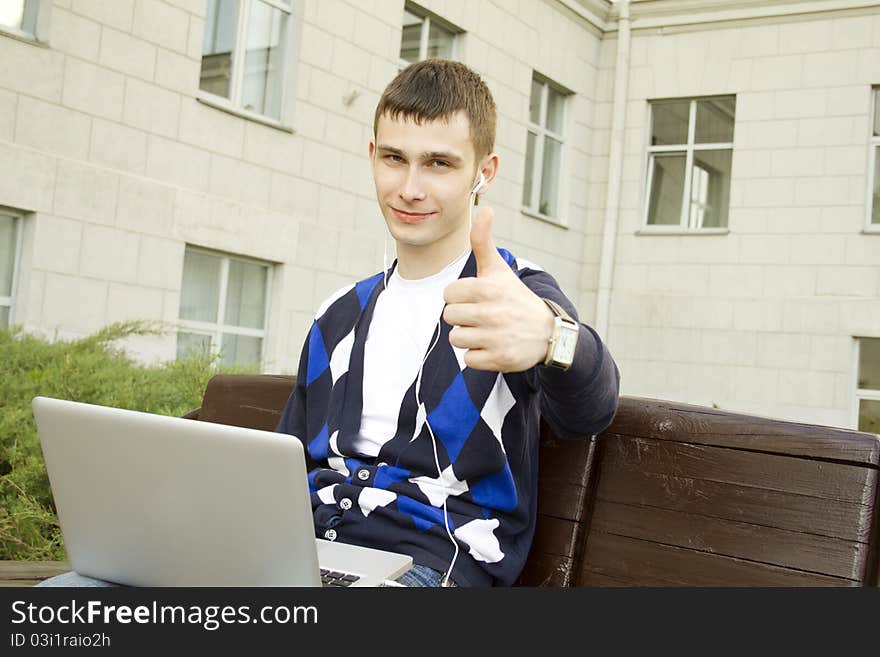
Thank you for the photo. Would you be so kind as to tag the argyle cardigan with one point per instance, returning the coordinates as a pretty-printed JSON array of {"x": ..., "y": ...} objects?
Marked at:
[{"x": 485, "y": 427}]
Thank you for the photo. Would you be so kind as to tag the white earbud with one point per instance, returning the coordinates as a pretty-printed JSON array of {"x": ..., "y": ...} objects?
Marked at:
[{"x": 480, "y": 184}]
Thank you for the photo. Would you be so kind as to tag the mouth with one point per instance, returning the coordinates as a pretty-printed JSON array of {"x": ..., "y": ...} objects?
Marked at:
[{"x": 410, "y": 217}]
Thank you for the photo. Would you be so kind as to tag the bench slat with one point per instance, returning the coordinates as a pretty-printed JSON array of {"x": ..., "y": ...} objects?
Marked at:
[
  {"x": 788, "y": 549},
  {"x": 800, "y": 513},
  {"x": 820, "y": 479},
  {"x": 552, "y": 553},
  {"x": 665, "y": 420},
  {"x": 22, "y": 573},
  {"x": 663, "y": 565}
]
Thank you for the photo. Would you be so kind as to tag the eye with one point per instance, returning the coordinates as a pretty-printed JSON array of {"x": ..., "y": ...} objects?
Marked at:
[
  {"x": 391, "y": 157},
  {"x": 439, "y": 164}
]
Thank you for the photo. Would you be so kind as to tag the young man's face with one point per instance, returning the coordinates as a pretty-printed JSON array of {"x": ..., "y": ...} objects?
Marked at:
[{"x": 424, "y": 175}]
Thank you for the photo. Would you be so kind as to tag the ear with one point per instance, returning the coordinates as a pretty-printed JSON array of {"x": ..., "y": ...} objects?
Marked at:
[
  {"x": 372, "y": 147},
  {"x": 489, "y": 169}
]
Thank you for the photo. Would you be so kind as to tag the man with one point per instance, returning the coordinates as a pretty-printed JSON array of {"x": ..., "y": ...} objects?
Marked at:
[{"x": 420, "y": 390}]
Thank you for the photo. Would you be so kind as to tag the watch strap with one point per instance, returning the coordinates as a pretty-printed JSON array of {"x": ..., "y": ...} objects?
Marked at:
[{"x": 558, "y": 310}]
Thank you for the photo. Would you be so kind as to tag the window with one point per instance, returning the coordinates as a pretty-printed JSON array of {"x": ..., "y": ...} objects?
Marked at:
[
  {"x": 424, "y": 36},
  {"x": 544, "y": 148},
  {"x": 244, "y": 52},
  {"x": 874, "y": 220},
  {"x": 689, "y": 163},
  {"x": 223, "y": 306},
  {"x": 10, "y": 241},
  {"x": 868, "y": 388},
  {"x": 21, "y": 17}
]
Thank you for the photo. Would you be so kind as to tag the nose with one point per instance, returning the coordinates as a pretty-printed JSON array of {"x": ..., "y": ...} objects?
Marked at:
[{"x": 412, "y": 189}]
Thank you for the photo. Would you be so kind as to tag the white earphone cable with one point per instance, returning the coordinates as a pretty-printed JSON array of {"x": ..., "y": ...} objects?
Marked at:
[{"x": 445, "y": 582}]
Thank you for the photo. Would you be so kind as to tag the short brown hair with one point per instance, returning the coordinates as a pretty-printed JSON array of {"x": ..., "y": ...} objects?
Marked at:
[{"x": 436, "y": 89}]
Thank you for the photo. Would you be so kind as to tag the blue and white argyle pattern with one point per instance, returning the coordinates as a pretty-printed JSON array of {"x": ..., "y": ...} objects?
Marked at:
[{"x": 485, "y": 427}]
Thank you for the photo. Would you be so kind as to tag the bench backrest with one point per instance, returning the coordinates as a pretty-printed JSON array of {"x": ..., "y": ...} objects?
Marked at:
[
  {"x": 686, "y": 495},
  {"x": 673, "y": 494}
]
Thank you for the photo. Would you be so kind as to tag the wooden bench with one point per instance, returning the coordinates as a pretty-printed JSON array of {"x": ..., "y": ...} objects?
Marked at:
[
  {"x": 674, "y": 495},
  {"x": 28, "y": 573}
]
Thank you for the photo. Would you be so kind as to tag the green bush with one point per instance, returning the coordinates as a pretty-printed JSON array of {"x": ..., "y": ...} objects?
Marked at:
[{"x": 92, "y": 370}]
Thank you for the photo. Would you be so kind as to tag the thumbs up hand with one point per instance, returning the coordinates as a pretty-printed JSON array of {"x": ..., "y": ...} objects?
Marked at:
[{"x": 504, "y": 326}]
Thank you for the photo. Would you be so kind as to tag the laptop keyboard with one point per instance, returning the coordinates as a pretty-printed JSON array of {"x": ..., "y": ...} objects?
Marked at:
[{"x": 337, "y": 578}]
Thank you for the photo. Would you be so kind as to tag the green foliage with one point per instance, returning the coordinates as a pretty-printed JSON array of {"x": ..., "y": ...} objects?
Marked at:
[{"x": 93, "y": 370}]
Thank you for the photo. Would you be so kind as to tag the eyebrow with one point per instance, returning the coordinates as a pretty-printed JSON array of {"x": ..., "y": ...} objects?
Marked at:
[{"x": 427, "y": 155}]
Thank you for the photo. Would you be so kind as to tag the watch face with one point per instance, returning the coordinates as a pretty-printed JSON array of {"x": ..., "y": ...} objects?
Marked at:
[{"x": 566, "y": 342}]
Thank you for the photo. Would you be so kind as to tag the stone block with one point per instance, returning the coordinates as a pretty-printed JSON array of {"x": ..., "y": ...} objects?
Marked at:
[
  {"x": 74, "y": 35},
  {"x": 160, "y": 23},
  {"x": 74, "y": 304},
  {"x": 109, "y": 254},
  {"x": 151, "y": 108},
  {"x": 160, "y": 263},
  {"x": 37, "y": 72},
  {"x": 127, "y": 54},
  {"x": 178, "y": 164},
  {"x": 145, "y": 206},
  {"x": 211, "y": 129},
  {"x": 118, "y": 147},
  {"x": 52, "y": 128},
  {"x": 93, "y": 89},
  {"x": 116, "y": 13},
  {"x": 86, "y": 192}
]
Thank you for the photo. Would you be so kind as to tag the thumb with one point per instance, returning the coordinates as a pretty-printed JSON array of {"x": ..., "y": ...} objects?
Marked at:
[{"x": 482, "y": 244}]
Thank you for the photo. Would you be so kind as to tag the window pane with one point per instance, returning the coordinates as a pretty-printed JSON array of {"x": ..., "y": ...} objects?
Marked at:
[
  {"x": 710, "y": 188},
  {"x": 530, "y": 170},
  {"x": 869, "y": 416},
  {"x": 875, "y": 211},
  {"x": 555, "y": 105},
  {"x": 12, "y": 13},
  {"x": 439, "y": 41},
  {"x": 411, "y": 37},
  {"x": 667, "y": 189},
  {"x": 201, "y": 287},
  {"x": 535, "y": 102},
  {"x": 869, "y": 363},
  {"x": 7, "y": 254},
  {"x": 240, "y": 350},
  {"x": 29, "y": 19},
  {"x": 193, "y": 344},
  {"x": 264, "y": 60},
  {"x": 550, "y": 177},
  {"x": 715, "y": 118},
  {"x": 246, "y": 294},
  {"x": 669, "y": 122},
  {"x": 877, "y": 112},
  {"x": 217, "y": 47}
]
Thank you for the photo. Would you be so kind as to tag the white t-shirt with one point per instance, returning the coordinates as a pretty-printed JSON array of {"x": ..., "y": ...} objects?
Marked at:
[{"x": 404, "y": 322}]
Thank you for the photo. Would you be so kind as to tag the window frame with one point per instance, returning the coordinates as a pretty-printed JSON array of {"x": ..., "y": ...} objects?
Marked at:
[
  {"x": 427, "y": 18},
  {"x": 286, "y": 76},
  {"x": 18, "y": 232},
  {"x": 215, "y": 330},
  {"x": 873, "y": 152},
  {"x": 42, "y": 10},
  {"x": 866, "y": 394},
  {"x": 541, "y": 132},
  {"x": 684, "y": 223}
]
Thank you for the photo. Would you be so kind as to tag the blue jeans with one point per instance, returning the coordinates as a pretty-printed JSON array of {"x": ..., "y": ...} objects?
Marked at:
[{"x": 418, "y": 575}]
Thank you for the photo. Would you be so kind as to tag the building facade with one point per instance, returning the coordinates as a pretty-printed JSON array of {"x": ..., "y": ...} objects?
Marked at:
[{"x": 700, "y": 176}]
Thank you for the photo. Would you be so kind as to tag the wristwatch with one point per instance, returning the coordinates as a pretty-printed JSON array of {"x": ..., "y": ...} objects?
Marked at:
[{"x": 560, "y": 351}]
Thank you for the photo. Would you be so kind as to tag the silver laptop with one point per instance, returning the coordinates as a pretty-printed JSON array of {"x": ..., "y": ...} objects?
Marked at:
[{"x": 151, "y": 500}]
